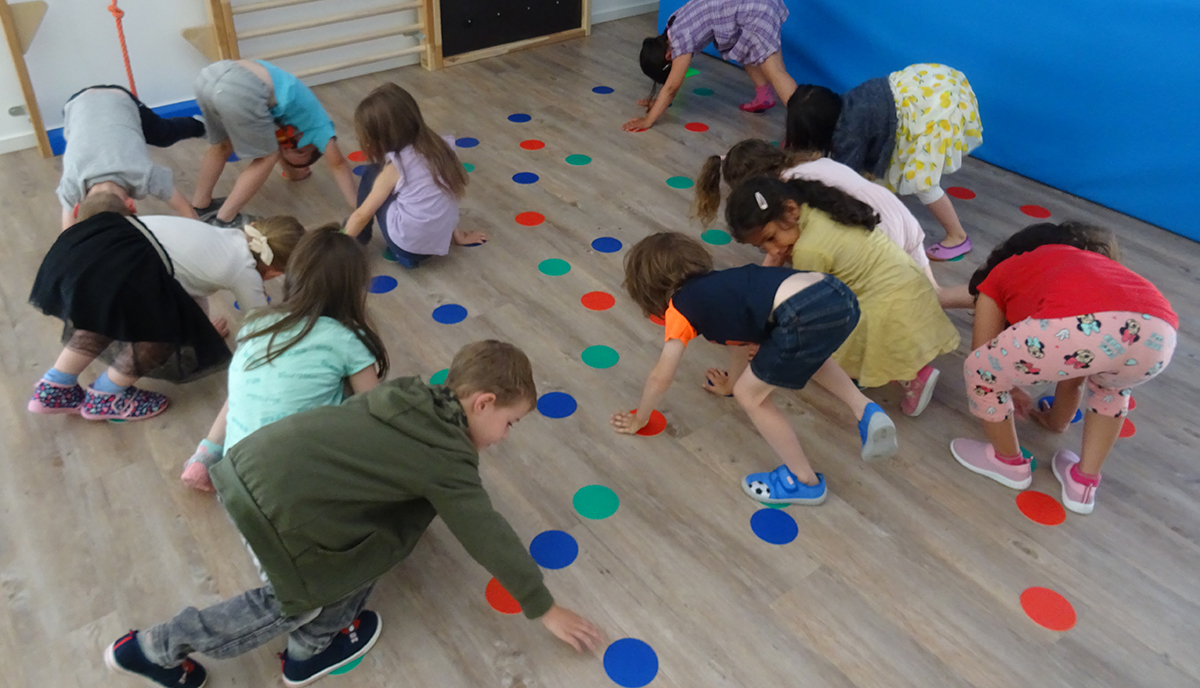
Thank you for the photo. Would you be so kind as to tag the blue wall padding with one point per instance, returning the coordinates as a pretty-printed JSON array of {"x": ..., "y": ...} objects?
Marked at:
[{"x": 1098, "y": 98}]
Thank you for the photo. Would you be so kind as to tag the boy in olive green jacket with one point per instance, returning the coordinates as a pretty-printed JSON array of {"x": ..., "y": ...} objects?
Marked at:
[{"x": 331, "y": 499}]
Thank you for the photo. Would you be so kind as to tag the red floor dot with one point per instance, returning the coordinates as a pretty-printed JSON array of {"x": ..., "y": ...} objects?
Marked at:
[
  {"x": 530, "y": 219},
  {"x": 1132, "y": 403},
  {"x": 357, "y": 156},
  {"x": 500, "y": 599},
  {"x": 1041, "y": 508},
  {"x": 696, "y": 126},
  {"x": 598, "y": 301},
  {"x": 961, "y": 192},
  {"x": 1035, "y": 211},
  {"x": 532, "y": 144},
  {"x": 1128, "y": 429},
  {"x": 658, "y": 321},
  {"x": 657, "y": 424},
  {"x": 1048, "y": 608}
]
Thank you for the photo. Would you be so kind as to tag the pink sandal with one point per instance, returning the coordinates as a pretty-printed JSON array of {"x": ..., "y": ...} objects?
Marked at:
[{"x": 941, "y": 252}]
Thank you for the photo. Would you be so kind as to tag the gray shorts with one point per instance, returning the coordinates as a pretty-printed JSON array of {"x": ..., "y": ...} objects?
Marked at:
[{"x": 234, "y": 102}]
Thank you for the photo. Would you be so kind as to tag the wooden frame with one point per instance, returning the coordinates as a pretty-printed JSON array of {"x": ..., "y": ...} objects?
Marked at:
[{"x": 19, "y": 27}]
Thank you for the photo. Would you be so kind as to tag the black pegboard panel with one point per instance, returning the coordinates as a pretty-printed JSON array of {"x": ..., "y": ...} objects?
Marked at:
[{"x": 469, "y": 25}]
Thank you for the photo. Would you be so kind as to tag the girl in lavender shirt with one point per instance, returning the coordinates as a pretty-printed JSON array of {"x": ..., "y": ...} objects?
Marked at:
[
  {"x": 745, "y": 31},
  {"x": 415, "y": 195}
]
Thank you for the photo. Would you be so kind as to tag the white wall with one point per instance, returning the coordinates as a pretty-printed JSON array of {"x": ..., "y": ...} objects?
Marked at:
[{"x": 77, "y": 46}]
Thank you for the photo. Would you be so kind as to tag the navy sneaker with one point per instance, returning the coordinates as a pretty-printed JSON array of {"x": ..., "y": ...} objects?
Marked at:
[
  {"x": 125, "y": 656},
  {"x": 347, "y": 646}
]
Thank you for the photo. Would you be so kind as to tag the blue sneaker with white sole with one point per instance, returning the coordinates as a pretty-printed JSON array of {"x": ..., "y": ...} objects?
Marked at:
[
  {"x": 878, "y": 434},
  {"x": 781, "y": 486},
  {"x": 125, "y": 656},
  {"x": 348, "y": 645}
]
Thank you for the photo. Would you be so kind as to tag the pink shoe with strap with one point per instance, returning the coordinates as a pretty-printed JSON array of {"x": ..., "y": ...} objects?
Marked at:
[
  {"x": 132, "y": 404},
  {"x": 52, "y": 398},
  {"x": 941, "y": 252},
  {"x": 980, "y": 457},
  {"x": 919, "y": 391},
  {"x": 764, "y": 99},
  {"x": 1078, "y": 488}
]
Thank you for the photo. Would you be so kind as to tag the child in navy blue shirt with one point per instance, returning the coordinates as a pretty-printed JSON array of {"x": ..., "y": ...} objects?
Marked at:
[{"x": 797, "y": 319}]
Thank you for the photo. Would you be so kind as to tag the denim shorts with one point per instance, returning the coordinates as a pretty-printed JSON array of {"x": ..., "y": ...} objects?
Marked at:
[{"x": 808, "y": 328}]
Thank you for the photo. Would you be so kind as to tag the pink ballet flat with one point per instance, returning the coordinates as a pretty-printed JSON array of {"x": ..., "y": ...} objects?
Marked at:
[{"x": 942, "y": 252}]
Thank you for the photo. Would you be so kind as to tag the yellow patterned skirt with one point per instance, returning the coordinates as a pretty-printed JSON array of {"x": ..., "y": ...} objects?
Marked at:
[{"x": 937, "y": 125}]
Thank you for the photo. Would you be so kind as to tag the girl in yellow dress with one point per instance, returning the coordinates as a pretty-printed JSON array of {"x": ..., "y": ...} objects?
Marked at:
[
  {"x": 822, "y": 229},
  {"x": 906, "y": 130}
]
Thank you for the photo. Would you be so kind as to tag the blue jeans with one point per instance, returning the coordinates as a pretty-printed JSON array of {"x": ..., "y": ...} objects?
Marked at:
[
  {"x": 404, "y": 258},
  {"x": 809, "y": 327},
  {"x": 242, "y": 623}
]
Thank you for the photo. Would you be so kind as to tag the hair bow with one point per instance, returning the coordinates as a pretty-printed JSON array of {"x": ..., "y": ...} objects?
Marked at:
[
  {"x": 762, "y": 202},
  {"x": 258, "y": 244}
]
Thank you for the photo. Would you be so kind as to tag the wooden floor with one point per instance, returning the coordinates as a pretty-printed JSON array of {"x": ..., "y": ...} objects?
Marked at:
[{"x": 909, "y": 575}]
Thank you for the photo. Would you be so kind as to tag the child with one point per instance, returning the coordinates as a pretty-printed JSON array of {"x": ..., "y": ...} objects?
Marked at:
[
  {"x": 415, "y": 194},
  {"x": 907, "y": 130},
  {"x": 107, "y": 129},
  {"x": 263, "y": 114},
  {"x": 299, "y": 354},
  {"x": 903, "y": 328},
  {"x": 132, "y": 289},
  {"x": 330, "y": 499},
  {"x": 798, "y": 318},
  {"x": 1054, "y": 304},
  {"x": 757, "y": 158},
  {"x": 745, "y": 31}
]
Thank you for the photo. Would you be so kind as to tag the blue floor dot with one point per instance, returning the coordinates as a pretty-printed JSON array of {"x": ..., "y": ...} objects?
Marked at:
[
  {"x": 382, "y": 284},
  {"x": 607, "y": 245},
  {"x": 554, "y": 549},
  {"x": 525, "y": 177},
  {"x": 232, "y": 158},
  {"x": 360, "y": 169},
  {"x": 556, "y": 405},
  {"x": 236, "y": 307},
  {"x": 602, "y": 90},
  {"x": 449, "y": 313},
  {"x": 774, "y": 526},
  {"x": 630, "y": 663},
  {"x": 519, "y": 117},
  {"x": 1049, "y": 399},
  {"x": 466, "y": 142}
]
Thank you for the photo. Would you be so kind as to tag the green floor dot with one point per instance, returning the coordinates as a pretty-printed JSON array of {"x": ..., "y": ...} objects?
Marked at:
[
  {"x": 716, "y": 237},
  {"x": 596, "y": 502},
  {"x": 468, "y": 167},
  {"x": 692, "y": 71},
  {"x": 439, "y": 378},
  {"x": 116, "y": 420},
  {"x": 554, "y": 267},
  {"x": 775, "y": 143},
  {"x": 387, "y": 255},
  {"x": 775, "y": 506},
  {"x": 346, "y": 669},
  {"x": 955, "y": 259},
  {"x": 1029, "y": 455},
  {"x": 578, "y": 159},
  {"x": 703, "y": 91},
  {"x": 679, "y": 183},
  {"x": 600, "y": 356}
]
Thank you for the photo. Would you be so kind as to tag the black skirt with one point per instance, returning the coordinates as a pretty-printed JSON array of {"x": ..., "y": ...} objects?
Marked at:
[{"x": 113, "y": 286}]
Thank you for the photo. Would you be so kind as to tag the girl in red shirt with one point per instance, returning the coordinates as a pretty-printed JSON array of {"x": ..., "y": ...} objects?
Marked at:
[{"x": 1054, "y": 304}]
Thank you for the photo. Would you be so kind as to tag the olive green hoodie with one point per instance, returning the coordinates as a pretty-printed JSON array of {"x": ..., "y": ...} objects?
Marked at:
[{"x": 331, "y": 499}]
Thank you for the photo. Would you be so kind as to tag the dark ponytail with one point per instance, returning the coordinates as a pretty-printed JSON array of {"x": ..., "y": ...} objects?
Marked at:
[
  {"x": 746, "y": 215},
  {"x": 812, "y": 115},
  {"x": 1077, "y": 234}
]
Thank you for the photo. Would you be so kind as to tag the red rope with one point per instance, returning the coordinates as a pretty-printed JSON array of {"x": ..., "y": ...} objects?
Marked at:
[{"x": 117, "y": 14}]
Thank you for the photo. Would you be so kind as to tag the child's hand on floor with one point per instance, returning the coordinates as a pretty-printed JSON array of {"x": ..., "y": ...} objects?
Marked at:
[
  {"x": 469, "y": 238},
  {"x": 572, "y": 628},
  {"x": 628, "y": 423},
  {"x": 718, "y": 382},
  {"x": 221, "y": 325},
  {"x": 638, "y": 124}
]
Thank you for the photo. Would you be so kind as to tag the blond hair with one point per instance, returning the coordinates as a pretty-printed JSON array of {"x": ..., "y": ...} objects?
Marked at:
[
  {"x": 658, "y": 265},
  {"x": 101, "y": 202},
  {"x": 283, "y": 234},
  {"x": 495, "y": 367}
]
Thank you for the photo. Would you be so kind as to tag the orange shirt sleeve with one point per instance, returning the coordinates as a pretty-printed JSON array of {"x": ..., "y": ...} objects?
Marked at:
[{"x": 677, "y": 326}]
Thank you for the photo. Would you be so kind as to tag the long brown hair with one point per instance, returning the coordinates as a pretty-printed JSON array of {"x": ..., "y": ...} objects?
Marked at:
[
  {"x": 1077, "y": 234},
  {"x": 747, "y": 159},
  {"x": 760, "y": 200},
  {"x": 658, "y": 265},
  {"x": 327, "y": 276},
  {"x": 388, "y": 120}
]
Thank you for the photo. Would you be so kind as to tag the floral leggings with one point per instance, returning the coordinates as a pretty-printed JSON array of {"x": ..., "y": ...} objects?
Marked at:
[{"x": 1116, "y": 351}]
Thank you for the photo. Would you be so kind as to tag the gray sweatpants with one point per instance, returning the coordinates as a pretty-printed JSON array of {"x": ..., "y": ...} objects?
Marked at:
[{"x": 235, "y": 105}]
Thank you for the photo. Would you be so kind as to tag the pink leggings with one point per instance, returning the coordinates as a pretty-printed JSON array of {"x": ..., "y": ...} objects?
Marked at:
[{"x": 1116, "y": 351}]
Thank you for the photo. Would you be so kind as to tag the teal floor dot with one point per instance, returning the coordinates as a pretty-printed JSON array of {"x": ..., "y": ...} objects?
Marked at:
[
  {"x": 600, "y": 356},
  {"x": 716, "y": 237},
  {"x": 703, "y": 91},
  {"x": 775, "y": 506},
  {"x": 116, "y": 420},
  {"x": 346, "y": 669},
  {"x": 596, "y": 502},
  {"x": 679, "y": 183},
  {"x": 955, "y": 259},
  {"x": 554, "y": 267},
  {"x": 578, "y": 159},
  {"x": 387, "y": 255},
  {"x": 468, "y": 167},
  {"x": 1029, "y": 455},
  {"x": 692, "y": 71},
  {"x": 439, "y": 378}
]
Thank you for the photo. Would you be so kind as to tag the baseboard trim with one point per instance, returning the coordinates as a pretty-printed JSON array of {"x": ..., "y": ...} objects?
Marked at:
[
  {"x": 16, "y": 142},
  {"x": 622, "y": 12}
]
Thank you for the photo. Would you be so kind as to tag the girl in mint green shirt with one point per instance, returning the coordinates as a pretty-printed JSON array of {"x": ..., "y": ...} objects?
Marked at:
[{"x": 301, "y": 354}]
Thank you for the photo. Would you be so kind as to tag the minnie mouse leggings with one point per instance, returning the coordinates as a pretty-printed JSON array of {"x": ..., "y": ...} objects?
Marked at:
[{"x": 1116, "y": 351}]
